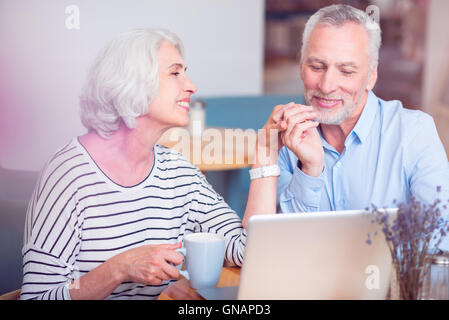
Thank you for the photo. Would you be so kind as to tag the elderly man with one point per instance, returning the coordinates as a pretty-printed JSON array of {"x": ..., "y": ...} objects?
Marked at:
[{"x": 365, "y": 150}]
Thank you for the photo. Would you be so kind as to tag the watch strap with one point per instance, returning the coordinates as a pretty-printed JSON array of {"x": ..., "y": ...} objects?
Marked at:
[{"x": 266, "y": 171}]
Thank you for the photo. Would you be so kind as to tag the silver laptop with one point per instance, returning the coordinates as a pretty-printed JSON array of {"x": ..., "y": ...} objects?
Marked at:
[{"x": 320, "y": 255}]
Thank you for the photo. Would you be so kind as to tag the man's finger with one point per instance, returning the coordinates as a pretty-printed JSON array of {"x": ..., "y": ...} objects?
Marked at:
[
  {"x": 297, "y": 118},
  {"x": 297, "y": 133}
]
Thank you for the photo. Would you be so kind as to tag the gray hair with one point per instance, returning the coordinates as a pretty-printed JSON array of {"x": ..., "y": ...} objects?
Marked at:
[
  {"x": 339, "y": 14},
  {"x": 123, "y": 80}
]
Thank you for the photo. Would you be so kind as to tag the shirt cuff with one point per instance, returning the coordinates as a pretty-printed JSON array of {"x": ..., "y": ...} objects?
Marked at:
[{"x": 306, "y": 190}]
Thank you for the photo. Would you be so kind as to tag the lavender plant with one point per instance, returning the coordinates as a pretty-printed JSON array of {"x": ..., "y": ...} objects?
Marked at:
[{"x": 413, "y": 238}]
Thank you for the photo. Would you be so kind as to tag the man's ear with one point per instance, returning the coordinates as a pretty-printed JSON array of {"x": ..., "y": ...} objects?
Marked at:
[
  {"x": 301, "y": 70},
  {"x": 372, "y": 78}
]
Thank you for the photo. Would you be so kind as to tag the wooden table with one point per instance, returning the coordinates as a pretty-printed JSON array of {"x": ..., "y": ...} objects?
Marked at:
[
  {"x": 181, "y": 290},
  {"x": 216, "y": 149}
]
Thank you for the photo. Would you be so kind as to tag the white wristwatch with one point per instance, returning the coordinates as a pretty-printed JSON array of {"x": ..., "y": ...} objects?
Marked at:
[{"x": 262, "y": 172}]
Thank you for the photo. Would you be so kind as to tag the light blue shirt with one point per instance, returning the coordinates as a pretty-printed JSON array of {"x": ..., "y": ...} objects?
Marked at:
[{"x": 391, "y": 154}]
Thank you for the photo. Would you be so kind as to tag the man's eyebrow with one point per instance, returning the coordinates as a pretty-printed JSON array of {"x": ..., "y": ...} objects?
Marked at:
[
  {"x": 315, "y": 60},
  {"x": 178, "y": 66},
  {"x": 348, "y": 64},
  {"x": 341, "y": 64}
]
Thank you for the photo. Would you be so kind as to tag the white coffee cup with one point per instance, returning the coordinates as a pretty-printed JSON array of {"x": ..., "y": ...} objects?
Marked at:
[{"x": 204, "y": 256}]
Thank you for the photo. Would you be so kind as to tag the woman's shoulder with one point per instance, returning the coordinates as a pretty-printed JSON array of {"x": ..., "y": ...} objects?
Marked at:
[
  {"x": 167, "y": 157},
  {"x": 67, "y": 162},
  {"x": 71, "y": 154},
  {"x": 174, "y": 165}
]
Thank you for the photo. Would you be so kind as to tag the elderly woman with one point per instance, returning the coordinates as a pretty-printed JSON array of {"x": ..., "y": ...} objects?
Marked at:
[{"x": 112, "y": 206}]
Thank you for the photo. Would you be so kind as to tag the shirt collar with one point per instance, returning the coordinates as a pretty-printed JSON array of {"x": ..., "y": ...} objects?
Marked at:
[{"x": 366, "y": 120}]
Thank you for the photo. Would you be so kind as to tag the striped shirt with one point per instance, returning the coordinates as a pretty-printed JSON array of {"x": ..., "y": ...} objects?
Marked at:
[{"x": 78, "y": 218}]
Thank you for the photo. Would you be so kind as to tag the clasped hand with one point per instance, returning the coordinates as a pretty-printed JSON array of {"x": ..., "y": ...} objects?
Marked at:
[{"x": 298, "y": 132}]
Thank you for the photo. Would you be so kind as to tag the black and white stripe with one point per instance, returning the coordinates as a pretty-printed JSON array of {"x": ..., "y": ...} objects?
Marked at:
[{"x": 78, "y": 218}]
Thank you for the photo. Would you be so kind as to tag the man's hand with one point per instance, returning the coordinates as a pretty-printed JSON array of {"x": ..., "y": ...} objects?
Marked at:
[{"x": 303, "y": 139}]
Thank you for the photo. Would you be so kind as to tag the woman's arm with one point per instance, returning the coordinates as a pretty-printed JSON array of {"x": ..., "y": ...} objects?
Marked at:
[
  {"x": 262, "y": 191},
  {"x": 286, "y": 123},
  {"x": 149, "y": 265}
]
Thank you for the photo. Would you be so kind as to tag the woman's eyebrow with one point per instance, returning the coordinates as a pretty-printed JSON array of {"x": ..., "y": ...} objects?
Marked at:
[{"x": 178, "y": 66}]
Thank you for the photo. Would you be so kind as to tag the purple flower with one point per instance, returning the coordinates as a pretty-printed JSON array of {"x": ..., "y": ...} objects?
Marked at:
[{"x": 413, "y": 236}]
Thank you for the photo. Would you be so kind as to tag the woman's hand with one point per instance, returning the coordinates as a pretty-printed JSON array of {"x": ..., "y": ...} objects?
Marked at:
[
  {"x": 269, "y": 140},
  {"x": 150, "y": 264}
]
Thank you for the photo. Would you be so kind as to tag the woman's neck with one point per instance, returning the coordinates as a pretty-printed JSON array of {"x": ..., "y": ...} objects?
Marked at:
[{"x": 126, "y": 157}]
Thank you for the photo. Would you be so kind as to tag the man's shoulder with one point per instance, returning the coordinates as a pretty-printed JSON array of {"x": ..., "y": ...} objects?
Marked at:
[
  {"x": 395, "y": 110},
  {"x": 396, "y": 116},
  {"x": 404, "y": 123}
]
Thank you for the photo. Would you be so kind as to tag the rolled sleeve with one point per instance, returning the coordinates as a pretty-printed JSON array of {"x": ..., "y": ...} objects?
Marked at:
[
  {"x": 303, "y": 193},
  {"x": 214, "y": 215}
]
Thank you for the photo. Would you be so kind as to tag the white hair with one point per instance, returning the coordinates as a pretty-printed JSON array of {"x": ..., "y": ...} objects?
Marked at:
[
  {"x": 339, "y": 14},
  {"x": 123, "y": 80}
]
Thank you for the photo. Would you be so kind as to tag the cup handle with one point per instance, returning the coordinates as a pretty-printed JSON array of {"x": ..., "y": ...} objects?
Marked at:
[{"x": 184, "y": 273}]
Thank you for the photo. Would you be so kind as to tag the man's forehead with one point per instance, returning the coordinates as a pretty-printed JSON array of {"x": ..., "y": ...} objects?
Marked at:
[
  {"x": 348, "y": 26},
  {"x": 346, "y": 44}
]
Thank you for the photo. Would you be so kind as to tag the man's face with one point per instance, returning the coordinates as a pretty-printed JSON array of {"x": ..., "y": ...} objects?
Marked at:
[{"x": 336, "y": 73}]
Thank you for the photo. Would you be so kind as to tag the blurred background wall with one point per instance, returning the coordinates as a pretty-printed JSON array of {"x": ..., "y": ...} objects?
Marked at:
[
  {"x": 436, "y": 71},
  {"x": 43, "y": 63},
  {"x": 233, "y": 48}
]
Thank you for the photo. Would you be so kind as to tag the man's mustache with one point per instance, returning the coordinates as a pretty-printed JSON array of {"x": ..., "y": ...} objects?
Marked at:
[{"x": 323, "y": 96}]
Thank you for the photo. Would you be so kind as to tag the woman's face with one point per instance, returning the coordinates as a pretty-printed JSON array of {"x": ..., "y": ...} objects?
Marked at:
[{"x": 170, "y": 108}]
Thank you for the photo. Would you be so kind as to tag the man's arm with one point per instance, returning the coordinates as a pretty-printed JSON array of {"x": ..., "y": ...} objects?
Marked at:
[
  {"x": 293, "y": 128},
  {"x": 427, "y": 167},
  {"x": 426, "y": 163},
  {"x": 297, "y": 191}
]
